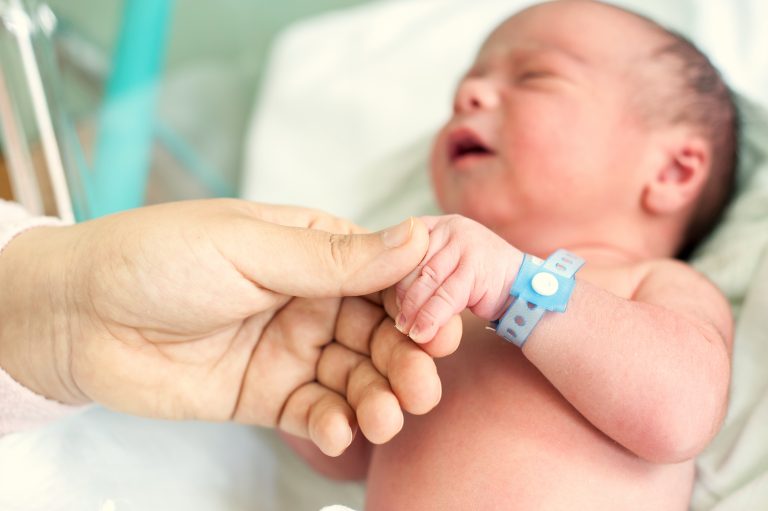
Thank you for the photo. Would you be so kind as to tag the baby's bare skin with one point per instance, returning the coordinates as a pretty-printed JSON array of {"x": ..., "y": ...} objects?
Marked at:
[
  {"x": 607, "y": 404},
  {"x": 503, "y": 437}
]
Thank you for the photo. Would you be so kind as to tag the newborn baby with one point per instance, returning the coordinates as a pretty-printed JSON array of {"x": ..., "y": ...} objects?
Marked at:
[{"x": 584, "y": 127}]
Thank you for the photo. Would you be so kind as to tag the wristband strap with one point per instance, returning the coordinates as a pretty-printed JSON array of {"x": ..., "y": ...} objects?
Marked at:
[{"x": 540, "y": 286}]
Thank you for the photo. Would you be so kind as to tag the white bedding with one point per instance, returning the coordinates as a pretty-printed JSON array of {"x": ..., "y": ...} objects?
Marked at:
[
  {"x": 733, "y": 471},
  {"x": 344, "y": 125}
]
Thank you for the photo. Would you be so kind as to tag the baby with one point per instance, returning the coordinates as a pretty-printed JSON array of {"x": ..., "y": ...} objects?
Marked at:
[{"x": 584, "y": 127}]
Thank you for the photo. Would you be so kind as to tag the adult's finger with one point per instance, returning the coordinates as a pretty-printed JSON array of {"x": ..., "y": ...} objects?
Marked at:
[
  {"x": 311, "y": 263},
  {"x": 316, "y": 412},
  {"x": 376, "y": 406},
  {"x": 349, "y": 373},
  {"x": 335, "y": 365},
  {"x": 283, "y": 353},
  {"x": 411, "y": 372},
  {"x": 364, "y": 329},
  {"x": 357, "y": 321}
]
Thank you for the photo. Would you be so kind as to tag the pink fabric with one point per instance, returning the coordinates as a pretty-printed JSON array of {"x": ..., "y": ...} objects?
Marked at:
[{"x": 20, "y": 408}]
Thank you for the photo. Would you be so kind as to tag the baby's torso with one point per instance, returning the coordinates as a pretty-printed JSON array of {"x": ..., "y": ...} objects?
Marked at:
[{"x": 503, "y": 438}]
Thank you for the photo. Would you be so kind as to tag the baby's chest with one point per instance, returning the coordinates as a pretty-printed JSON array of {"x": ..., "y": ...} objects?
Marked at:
[
  {"x": 500, "y": 424},
  {"x": 490, "y": 387}
]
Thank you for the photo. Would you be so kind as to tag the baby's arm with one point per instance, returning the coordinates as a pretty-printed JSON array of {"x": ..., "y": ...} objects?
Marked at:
[{"x": 651, "y": 371}]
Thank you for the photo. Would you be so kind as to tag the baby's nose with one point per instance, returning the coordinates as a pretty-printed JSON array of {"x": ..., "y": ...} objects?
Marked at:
[{"x": 475, "y": 94}]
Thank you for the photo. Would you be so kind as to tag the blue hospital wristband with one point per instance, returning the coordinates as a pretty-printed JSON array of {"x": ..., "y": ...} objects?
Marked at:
[{"x": 540, "y": 286}]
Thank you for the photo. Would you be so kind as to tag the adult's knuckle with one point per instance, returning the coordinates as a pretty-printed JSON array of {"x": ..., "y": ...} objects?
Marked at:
[{"x": 339, "y": 252}]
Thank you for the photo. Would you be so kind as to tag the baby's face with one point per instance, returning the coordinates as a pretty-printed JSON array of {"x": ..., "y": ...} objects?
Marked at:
[{"x": 543, "y": 122}]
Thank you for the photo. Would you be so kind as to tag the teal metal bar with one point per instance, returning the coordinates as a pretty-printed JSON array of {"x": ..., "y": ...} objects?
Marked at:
[{"x": 126, "y": 122}]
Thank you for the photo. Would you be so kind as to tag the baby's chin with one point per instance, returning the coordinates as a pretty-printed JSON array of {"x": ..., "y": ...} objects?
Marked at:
[
  {"x": 482, "y": 211},
  {"x": 478, "y": 201}
]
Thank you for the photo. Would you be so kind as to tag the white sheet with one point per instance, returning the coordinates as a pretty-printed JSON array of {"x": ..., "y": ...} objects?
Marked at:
[
  {"x": 733, "y": 471},
  {"x": 104, "y": 461}
]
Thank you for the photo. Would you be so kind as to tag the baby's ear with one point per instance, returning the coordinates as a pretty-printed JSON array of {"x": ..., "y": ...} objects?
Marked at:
[{"x": 680, "y": 176}]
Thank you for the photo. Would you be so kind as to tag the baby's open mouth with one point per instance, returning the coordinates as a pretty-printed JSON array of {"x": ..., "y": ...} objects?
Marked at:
[{"x": 465, "y": 143}]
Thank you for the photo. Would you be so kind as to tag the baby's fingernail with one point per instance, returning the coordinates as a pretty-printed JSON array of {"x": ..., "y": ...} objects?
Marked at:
[
  {"x": 398, "y": 235},
  {"x": 415, "y": 334},
  {"x": 400, "y": 323}
]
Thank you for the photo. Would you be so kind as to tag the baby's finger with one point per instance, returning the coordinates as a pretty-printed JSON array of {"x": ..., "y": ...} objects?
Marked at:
[
  {"x": 411, "y": 372},
  {"x": 438, "y": 239},
  {"x": 378, "y": 410},
  {"x": 404, "y": 285},
  {"x": 450, "y": 298},
  {"x": 433, "y": 274},
  {"x": 323, "y": 416},
  {"x": 448, "y": 337}
]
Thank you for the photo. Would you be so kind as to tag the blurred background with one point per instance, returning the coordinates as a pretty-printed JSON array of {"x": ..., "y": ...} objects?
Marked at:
[{"x": 176, "y": 119}]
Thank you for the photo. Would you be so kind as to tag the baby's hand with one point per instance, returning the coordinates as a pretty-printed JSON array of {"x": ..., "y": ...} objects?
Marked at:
[{"x": 466, "y": 266}]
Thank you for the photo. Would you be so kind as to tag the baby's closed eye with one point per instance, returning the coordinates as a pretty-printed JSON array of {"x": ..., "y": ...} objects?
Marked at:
[{"x": 534, "y": 74}]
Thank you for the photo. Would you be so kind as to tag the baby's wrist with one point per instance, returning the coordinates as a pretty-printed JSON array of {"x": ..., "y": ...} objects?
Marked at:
[
  {"x": 540, "y": 286},
  {"x": 512, "y": 262}
]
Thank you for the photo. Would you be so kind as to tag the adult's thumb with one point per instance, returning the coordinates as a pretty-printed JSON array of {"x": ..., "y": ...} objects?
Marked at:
[{"x": 312, "y": 263}]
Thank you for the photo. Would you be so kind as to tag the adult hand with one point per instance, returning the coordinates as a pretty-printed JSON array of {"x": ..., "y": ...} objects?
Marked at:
[{"x": 189, "y": 310}]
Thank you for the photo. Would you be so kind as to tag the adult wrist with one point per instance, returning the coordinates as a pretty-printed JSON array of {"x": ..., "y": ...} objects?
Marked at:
[{"x": 35, "y": 333}]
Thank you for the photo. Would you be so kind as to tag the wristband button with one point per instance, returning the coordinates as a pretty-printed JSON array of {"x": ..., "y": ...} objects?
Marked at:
[{"x": 545, "y": 284}]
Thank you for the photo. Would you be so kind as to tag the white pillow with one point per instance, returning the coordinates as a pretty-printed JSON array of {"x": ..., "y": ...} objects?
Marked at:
[{"x": 348, "y": 90}]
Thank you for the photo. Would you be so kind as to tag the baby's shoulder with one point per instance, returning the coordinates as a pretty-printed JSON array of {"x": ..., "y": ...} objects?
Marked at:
[
  {"x": 668, "y": 273},
  {"x": 667, "y": 281},
  {"x": 652, "y": 280}
]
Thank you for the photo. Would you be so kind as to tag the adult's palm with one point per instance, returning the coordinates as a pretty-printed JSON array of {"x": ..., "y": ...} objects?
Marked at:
[{"x": 226, "y": 309}]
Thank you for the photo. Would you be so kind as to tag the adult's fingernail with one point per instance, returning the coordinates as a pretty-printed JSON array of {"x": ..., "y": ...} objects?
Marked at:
[{"x": 398, "y": 235}]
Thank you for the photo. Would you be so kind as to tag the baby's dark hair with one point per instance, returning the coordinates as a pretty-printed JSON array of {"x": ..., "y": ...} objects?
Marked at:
[{"x": 696, "y": 95}]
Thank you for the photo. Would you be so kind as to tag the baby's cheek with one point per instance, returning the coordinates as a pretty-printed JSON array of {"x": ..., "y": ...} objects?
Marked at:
[{"x": 440, "y": 188}]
